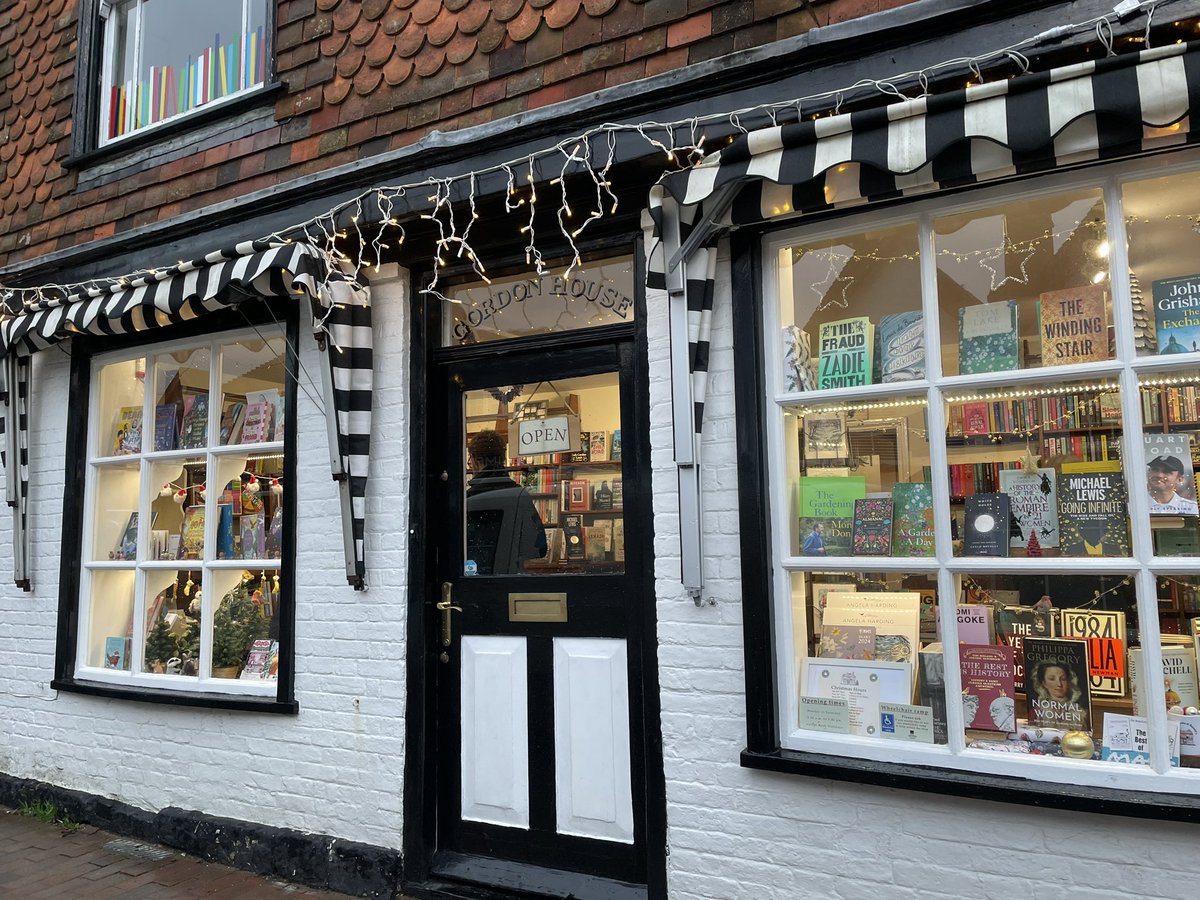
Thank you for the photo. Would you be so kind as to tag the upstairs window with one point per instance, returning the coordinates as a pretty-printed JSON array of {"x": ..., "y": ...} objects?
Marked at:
[{"x": 163, "y": 59}]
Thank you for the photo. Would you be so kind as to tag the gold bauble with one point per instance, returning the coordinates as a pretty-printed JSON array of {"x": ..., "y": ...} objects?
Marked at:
[{"x": 1078, "y": 745}]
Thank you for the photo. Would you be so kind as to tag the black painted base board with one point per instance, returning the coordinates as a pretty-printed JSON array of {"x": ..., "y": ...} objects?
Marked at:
[{"x": 316, "y": 860}]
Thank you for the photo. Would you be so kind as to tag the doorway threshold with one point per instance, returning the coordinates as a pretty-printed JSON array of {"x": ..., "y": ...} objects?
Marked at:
[{"x": 484, "y": 878}]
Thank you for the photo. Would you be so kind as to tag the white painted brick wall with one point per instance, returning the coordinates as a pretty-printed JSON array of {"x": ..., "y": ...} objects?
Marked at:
[
  {"x": 741, "y": 833},
  {"x": 337, "y": 767}
]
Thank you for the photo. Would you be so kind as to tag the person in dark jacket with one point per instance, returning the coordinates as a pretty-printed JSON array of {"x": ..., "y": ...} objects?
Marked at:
[{"x": 503, "y": 525}]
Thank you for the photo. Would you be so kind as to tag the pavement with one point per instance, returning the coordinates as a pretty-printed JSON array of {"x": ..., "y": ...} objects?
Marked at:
[{"x": 45, "y": 861}]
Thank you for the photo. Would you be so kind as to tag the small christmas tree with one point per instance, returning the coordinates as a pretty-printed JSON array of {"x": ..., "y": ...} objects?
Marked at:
[
  {"x": 237, "y": 623},
  {"x": 160, "y": 646},
  {"x": 1034, "y": 547}
]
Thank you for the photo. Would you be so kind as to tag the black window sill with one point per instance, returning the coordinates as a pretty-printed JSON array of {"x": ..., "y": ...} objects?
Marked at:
[
  {"x": 178, "y": 698},
  {"x": 979, "y": 786},
  {"x": 193, "y": 121}
]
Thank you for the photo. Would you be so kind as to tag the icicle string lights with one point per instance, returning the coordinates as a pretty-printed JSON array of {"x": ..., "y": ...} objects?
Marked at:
[{"x": 680, "y": 142}]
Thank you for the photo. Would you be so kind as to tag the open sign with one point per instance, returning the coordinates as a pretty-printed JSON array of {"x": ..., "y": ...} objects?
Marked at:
[{"x": 550, "y": 435}]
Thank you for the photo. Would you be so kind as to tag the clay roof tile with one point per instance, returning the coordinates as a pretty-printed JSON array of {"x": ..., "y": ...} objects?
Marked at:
[
  {"x": 491, "y": 36},
  {"x": 410, "y": 41},
  {"x": 337, "y": 90},
  {"x": 374, "y": 9},
  {"x": 346, "y": 15},
  {"x": 597, "y": 8},
  {"x": 395, "y": 21},
  {"x": 525, "y": 24},
  {"x": 429, "y": 61},
  {"x": 332, "y": 44},
  {"x": 42, "y": 194},
  {"x": 362, "y": 33},
  {"x": 561, "y": 13},
  {"x": 380, "y": 49},
  {"x": 458, "y": 5},
  {"x": 367, "y": 80},
  {"x": 425, "y": 11},
  {"x": 474, "y": 17},
  {"x": 349, "y": 62},
  {"x": 397, "y": 70},
  {"x": 404, "y": 4},
  {"x": 327, "y": 5},
  {"x": 459, "y": 50},
  {"x": 506, "y": 10},
  {"x": 441, "y": 29}
]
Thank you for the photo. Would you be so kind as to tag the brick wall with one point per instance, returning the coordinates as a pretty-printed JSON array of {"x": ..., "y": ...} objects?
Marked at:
[
  {"x": 337, "y": 767},
  {"x": 361, "y": 77},
  {"x": 741, "y": 834}
]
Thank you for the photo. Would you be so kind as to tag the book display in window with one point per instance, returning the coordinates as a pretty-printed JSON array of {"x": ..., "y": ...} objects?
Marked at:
[
  {"x": 1170, "y": 478},
  {"x": 988, "y": 338},
  {"x": 1179, "y": 687},
  {"x": 597, "y": 446},
  {"x": 799, "y": 369},
  {"x": 166, "y": 426},
  {"x": 862, "y": 685},
  {"x": 1016, "y": 623},
  {"x": 127, "y": 431},
  {"x": 1104, "y": 632},
  {"x": 974, "y": 623},
  {"x": 232, "y": 417},
  {"x": 1092, "y": 513},
  {"x": 257, "y": 423},
  {"x": 847, "y": 642},
  {"x": 895, "y": 616},
  {"x": 116, "y": 653},
  {"x": 912, "y": 519},
  {"x": 987, "y": 525},
  {"x": 900, "y": 350},
  {"x": 846, "y": 353},
  {"x": 1033, "y": 505},
  {"x": 1057, "y": 685},
  {"x": 252, "y": 530},
  {"x": 1177, "y": 314},
  {"x": 573, "y": 536},
  {"x": 827, "y": 513},
  {"x": 194, "y": 432},
  {"x": 872, "y": 529},
  {"x": 825, "y": 436},
  {"x": 1074, "y": 325},
  {"x": 987, "y": 687}
]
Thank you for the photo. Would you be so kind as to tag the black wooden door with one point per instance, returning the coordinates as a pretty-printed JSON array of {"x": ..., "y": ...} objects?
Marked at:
[{"x": 541, "y": 742}]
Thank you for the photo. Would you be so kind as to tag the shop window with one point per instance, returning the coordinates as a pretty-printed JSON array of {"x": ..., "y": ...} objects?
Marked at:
[
  {"x": 162, "y": 61},
  {"x": 182, "y": 580},
  {"x": 983, "y": 514}
]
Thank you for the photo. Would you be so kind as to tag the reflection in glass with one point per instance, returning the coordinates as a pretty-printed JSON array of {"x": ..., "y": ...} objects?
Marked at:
[
  {"x": 181, "y": 399},
  {"x": 110, "y": 618},
  {"x": 252, "y": 375},
  {"x": 1026, "y": 285},
  {"x": 114, "y": 531},
  {"x": 544, "y": 491},
  {"x": 1036, "y": 471}
]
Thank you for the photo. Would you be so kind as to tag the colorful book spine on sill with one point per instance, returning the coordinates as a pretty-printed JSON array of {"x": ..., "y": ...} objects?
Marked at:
[
  {"x": 1074, "y": 325},
  {"x": 1092, "y": 514},
  {"x": 1033, "y": 503},
  {"x": 912, "y": 519},
  {"x": 971, "y": 478},
  {"x": 988, "y": 338},
  {"x": 1177, "y": 314},
  {"x": 872, "y": 530},
  {"x": 900, "y": 347},
  {"x": 846, "y": 353},
  {"x": 987, "y": 525}
]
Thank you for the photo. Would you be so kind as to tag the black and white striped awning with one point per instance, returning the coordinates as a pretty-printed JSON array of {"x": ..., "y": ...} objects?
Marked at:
[
  {"x": 1097, "y": 110},
  {"x": 341, "y": 317}
]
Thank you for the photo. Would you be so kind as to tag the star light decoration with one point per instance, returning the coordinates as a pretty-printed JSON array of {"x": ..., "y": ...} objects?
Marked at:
[
  {"x": 1029, "y": 460},
  {"x": 992, "y": 259}
]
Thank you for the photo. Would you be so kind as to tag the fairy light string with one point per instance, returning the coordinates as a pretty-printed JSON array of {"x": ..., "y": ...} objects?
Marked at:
[{"x": 592, "y": 154}]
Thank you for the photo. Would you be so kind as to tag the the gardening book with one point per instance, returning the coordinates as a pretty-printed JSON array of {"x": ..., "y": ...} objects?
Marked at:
[
  {"x": 1032, "y": 504},
  {"x": 1177, "y": 314},
  {"x": 912, "y": 519},
  {"x": 1105, "y": 634},
  {"x": 987, "y": 687},
  {"x": 1057, "y": 686},
  {"x": 986, "y": 520},
  {"x": 901, "y": 347},
  {"x": 826, "y": 506},
  {"x": 1092, "y": 514},
  {"x": 846, "y": 353},
  {"x": 1074, "y": 325},
  {"x": 872, "y": 530},
  {"x": 988, "y": 338}
]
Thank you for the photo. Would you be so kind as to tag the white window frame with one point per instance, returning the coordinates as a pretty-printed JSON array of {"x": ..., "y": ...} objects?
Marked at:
[
  {"x": 1126, "y": 367},
  {"x": 203, "y": 682},
  {"x": 107, "y": 43}
]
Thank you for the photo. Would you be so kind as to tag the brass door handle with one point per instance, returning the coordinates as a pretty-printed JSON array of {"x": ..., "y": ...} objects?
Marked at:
[{"x": 445, "y": 607}]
